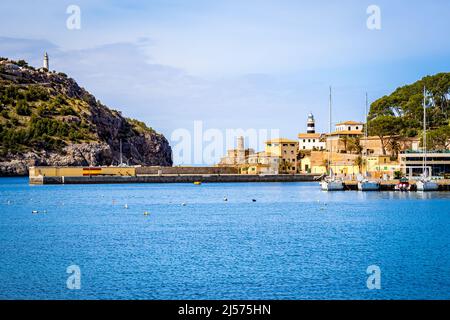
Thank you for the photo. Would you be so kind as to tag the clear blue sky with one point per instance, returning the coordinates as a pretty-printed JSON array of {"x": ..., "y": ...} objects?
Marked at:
[{"x": 233, "y": 63}]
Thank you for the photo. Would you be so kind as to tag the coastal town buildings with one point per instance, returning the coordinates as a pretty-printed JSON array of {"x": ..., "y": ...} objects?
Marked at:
[
  {"x": 411, "y": 162},
  {"x": 349, "y": 126},
  {"x": 346, "y": 151},
  {"x": 262, "y": 163},
  {"x": 311, "y": 141},
  {"x": 287, "y": 151},
  {"x": 345, "y": 132},
  {"x": 238, "y": 156},
  {"x": 373, "y": 145},
  {"x": 379, "y": 166}
]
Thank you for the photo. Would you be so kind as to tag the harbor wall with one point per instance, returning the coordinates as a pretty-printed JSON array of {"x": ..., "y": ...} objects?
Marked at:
[
  {"x": 170, "y": 179},
  {"x": 186, "y": 170},
  {"x": 81, "y": 171}
]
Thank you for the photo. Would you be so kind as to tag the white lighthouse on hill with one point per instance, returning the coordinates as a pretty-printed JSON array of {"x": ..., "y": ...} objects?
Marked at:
[{"x": 45, "y": 64}]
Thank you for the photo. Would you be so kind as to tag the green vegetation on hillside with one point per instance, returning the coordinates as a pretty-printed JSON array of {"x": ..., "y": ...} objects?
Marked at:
[
  {"x": 400, "y": 114},
  {"x": 30, "y": 117}
]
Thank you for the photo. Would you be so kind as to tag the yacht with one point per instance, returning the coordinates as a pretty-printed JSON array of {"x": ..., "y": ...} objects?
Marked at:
[
  {"x": 403, "y": 185},
  {"x": 368, "y": 185},
  {"x": 426, "y": 185},
  {"x": 332, "y": 184}
]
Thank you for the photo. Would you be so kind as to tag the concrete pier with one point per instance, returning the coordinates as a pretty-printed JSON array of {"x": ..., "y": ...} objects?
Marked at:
[{"x": 172, "y": 178}]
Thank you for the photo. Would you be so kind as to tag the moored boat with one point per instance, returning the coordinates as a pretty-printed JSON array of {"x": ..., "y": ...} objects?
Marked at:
[
  {"x": 426, "y": 185},
  {"x": 332, "y": 184},
  {"x": 403, "y": 185},
  {"x": 368, "y": 185}
]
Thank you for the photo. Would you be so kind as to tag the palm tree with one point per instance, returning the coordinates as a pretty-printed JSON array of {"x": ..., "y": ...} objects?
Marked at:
[
  {"x": 345, "y": 142},
  {"x": 359, "y": 161}
]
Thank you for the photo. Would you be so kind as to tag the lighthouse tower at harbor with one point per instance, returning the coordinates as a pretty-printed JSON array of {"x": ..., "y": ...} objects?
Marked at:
[
  {"x": 46, "y": 64},
  {"x": 311, "y": 140},
  {"x": 310, "y": 124}
]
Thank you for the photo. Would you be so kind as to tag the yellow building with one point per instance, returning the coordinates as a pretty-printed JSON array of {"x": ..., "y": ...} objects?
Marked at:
[
  {"x": 286, "y": 150},
  {"x": 377, "y": 166},
  {"x": 313, "y": 162},
  {"x": 262, "y": 163}
]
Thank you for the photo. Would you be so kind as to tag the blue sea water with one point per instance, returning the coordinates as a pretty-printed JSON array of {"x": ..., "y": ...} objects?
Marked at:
[{"x": 294, "y": 242}]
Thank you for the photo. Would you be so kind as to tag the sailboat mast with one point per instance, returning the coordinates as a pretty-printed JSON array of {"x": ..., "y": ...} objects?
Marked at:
[
  {"x": 329, "y": 132},
  {"x": 424, "y": 133},
  {"x": 367, "y": 122},
  {"x": 366, "y": 128}
]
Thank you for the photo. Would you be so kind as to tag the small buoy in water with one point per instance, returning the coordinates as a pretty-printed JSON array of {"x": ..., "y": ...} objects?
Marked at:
[
  {"x": 126, "y": 206},
  {"x": 197, "y": 183},
  {"x": 45, "y": 211},
  {"x": 254, "y": 200},
  {"x": 225, "y": 199},
  {"x": 146, "y": 213},
  {"x": 34, "y": 212},
  {"x": 183, "y": 204},
  {"x": 9, "y": 202}
]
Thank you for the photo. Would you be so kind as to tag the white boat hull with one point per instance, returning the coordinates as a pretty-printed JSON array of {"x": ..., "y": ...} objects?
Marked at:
[
  {"x": 427, "y": 186},
  {"x": 332, "y": 185},
  {"x": 368, "y": 186}
]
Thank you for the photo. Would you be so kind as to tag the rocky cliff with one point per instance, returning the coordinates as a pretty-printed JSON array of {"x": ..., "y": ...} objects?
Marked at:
[{"x": 46, "y": 118}]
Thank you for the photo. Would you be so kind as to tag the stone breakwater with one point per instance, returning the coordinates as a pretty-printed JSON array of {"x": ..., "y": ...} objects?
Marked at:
[{"x": 173, "y": 179}]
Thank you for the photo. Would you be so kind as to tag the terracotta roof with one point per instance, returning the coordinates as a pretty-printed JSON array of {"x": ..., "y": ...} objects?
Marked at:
[
  {"x": 309, "y": 135},
  {"x": 346, "y": 132},
  {"x": 350, "y": 122},
  {"x": 281, "y": 140}
]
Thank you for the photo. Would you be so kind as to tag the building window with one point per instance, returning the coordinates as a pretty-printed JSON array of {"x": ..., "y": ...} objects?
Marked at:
[
  {"x": 349, "y": 128},
  {"x": 356, "y": 127},
  {"x": 314, "y": 140},
  {"x": 304, "y": 140},
  {"x": 285, "y": 145},
  {"x": 304, "y": 147}
]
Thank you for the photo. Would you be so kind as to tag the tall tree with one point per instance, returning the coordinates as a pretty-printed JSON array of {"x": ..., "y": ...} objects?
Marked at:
[{"x": 388, "y": 128}]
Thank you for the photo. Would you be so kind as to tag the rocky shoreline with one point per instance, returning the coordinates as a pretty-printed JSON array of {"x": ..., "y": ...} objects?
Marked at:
[{"x": 106, "y": 128}]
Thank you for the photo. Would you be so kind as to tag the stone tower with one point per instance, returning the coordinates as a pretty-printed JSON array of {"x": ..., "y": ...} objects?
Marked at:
[
  {"x": 311, "y": 124},
  {"x": 46, "y": 65},
  {"x": 240, "y": 150}
]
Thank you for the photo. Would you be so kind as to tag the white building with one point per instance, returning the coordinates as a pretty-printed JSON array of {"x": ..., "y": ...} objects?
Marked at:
[
  {"x": 311, "y": 141},
  {"x": 349, "y": 126}
]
